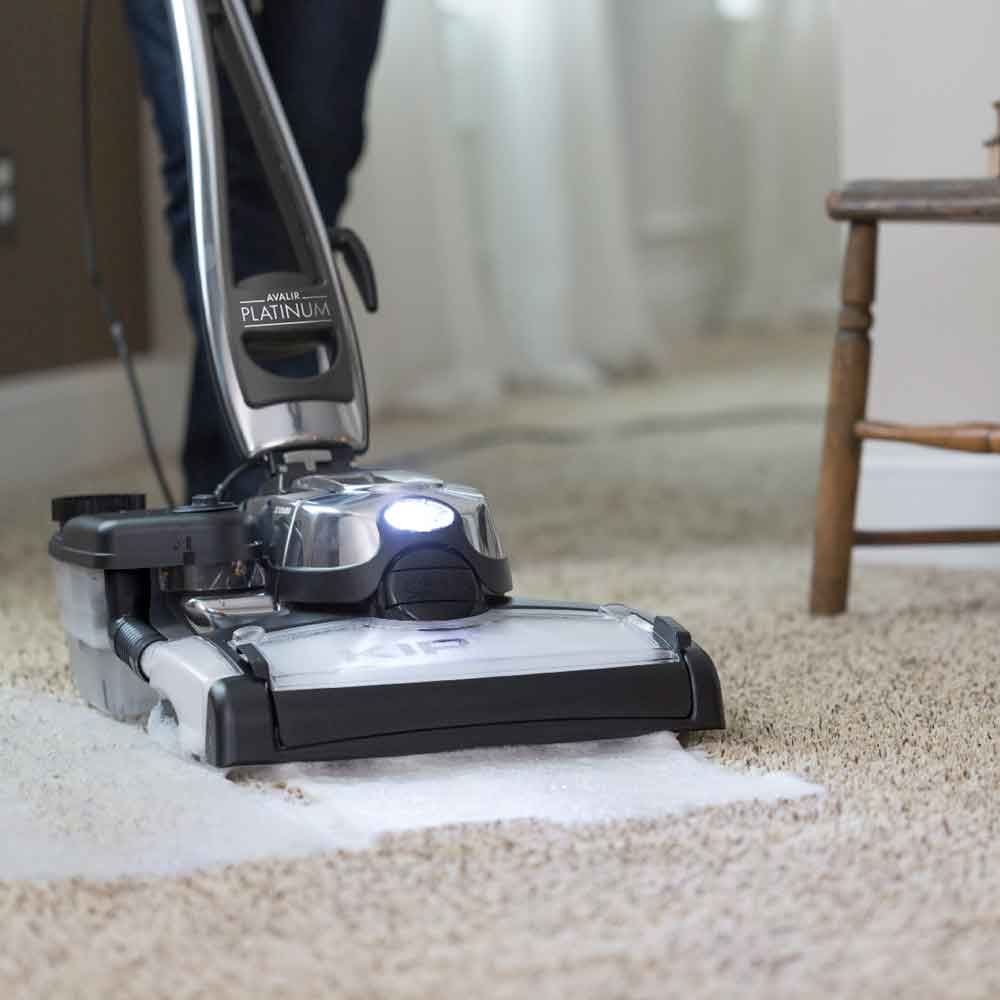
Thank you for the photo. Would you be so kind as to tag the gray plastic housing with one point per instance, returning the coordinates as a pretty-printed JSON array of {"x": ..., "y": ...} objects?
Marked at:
[{"x": 101, "y": 678}]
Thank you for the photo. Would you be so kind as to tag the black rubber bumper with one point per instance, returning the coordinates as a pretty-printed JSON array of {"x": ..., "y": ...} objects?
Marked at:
[{"x": 247, "y": 723}]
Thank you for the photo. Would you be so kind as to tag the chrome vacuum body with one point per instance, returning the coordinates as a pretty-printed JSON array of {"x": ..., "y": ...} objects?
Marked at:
[{"x": 339, "y": 611}]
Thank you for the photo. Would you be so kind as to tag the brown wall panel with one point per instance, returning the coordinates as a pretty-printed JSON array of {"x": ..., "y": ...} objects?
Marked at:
[{"x": 50, "y": 316}]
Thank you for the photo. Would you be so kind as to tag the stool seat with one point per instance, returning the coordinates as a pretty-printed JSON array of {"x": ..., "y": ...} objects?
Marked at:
[{"x": 972, "y": 200}]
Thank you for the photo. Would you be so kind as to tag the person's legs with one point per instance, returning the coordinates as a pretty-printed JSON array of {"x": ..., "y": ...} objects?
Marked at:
[{"x": 320, "y": 53}]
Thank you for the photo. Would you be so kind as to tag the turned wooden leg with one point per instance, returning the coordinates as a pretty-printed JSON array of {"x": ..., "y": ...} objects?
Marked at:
[{"x": 838, "y": 483}]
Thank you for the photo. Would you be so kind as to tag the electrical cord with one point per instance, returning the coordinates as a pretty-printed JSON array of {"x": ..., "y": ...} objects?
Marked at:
[
  {"x": 220, "y": 491},
  {"x": 115, "y": 325}
]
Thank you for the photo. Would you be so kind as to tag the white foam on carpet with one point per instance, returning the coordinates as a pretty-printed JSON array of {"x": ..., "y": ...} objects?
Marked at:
[
  {"x": 81, "y": 795},
  {"x": 646, "y": 776}
]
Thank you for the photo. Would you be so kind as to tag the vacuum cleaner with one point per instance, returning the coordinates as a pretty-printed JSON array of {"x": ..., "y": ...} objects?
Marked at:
[{"x": 340, "y": 611}]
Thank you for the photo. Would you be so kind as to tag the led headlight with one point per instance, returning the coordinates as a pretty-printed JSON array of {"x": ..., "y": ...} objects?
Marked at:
[{"x": 418, "y": 514}]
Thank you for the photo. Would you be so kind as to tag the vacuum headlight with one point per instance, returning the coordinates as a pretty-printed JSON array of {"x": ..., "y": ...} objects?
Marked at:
[{"x": 418, "y": 514}]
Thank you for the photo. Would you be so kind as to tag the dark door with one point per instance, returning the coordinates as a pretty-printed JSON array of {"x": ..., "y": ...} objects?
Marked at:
[{"x": 49, "y": 316}]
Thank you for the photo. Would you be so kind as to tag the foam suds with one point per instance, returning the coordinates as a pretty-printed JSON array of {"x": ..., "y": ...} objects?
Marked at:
[
  {"x": 356, "y": 801},
  {"x": 83, "y": 795}
]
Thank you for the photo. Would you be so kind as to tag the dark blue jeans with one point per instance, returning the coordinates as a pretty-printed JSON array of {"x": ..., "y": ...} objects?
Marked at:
[{"x": 320, "y": 53}]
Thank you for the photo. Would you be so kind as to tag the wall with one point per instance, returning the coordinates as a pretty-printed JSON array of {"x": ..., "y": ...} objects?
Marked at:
[
  {"x": 916, "y": 87},
  {"x": 67, "y": 422},
  {"x": 51, "y": 318}
]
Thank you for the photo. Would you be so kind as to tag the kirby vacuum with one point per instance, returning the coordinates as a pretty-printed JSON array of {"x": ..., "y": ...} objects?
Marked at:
[{"x": 340, "y": 612}]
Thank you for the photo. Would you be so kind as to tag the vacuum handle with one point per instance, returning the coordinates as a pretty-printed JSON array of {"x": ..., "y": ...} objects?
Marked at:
[{"x": 276, "y": 314}]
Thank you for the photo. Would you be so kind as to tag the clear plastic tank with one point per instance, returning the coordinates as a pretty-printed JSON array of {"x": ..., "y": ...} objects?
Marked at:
[{"x": 101, "y": 678}]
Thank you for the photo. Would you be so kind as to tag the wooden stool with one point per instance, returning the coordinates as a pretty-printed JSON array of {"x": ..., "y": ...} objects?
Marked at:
[{"x": 864, "y": 204}]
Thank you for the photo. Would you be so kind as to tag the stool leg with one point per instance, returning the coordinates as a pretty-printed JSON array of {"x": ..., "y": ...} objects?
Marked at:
[{"x": 838, "y": 484}]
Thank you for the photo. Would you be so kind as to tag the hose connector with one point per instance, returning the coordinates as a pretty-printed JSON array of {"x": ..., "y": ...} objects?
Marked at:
[{"x": 130, "y": 636}]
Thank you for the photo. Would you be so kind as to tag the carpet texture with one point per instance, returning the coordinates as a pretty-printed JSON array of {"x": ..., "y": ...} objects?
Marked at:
[{"x": 889, "y": 884}]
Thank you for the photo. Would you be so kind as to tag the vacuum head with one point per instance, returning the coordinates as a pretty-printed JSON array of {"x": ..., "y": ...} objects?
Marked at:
[{"x": 355, "y": 614}]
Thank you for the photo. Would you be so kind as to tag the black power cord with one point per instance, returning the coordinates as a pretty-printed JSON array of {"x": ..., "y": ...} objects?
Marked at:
[
  {"x": 220, "y": 491},
  {"x": 115, "y": 325}
]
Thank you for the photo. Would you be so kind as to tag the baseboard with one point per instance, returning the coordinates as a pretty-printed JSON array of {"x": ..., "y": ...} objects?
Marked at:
[
  {"x": 907, "y": 487},
  {"x": 80, "y": 419}
]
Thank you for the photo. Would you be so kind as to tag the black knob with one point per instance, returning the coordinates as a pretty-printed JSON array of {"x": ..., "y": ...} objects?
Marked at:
[
  {"x": 66, "y": 508},
  {"x": 430, "y": 584}
]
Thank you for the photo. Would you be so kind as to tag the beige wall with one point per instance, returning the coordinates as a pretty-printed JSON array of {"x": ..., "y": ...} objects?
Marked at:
[
  {"x": 64, "y": 424},
  {"x": 917, "y": 81}
]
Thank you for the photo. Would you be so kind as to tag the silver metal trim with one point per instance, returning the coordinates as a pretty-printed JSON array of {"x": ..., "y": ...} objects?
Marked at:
[
  {"x": 329, "y": 520},
  {"x": 205, "y": 612},
  {"x": 310, "y": 423}
]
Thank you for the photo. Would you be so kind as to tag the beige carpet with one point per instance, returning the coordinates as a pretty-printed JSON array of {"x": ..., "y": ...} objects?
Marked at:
[{"x": 890, "y": 884}]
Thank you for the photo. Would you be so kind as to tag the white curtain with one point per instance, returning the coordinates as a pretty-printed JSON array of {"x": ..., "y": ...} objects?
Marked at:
[
  {"x": 561, "y": 268},
  {"x": 784, "y": 98},
  {"x": 554, "y": 188}
]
